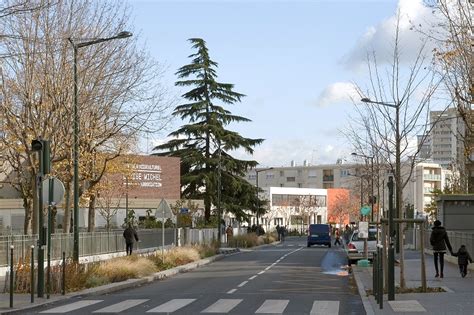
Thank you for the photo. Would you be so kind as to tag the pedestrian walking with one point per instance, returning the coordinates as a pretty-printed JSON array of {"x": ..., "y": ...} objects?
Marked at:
[
  {"x": 439, "y": 241},
  {"x": 338, "y": 238},
  {"x": 278, "y": 229},
  {"x": 463, "y": 259},
  {"x": 230, "y": 233},
  {"x": 130, "y": 236}
]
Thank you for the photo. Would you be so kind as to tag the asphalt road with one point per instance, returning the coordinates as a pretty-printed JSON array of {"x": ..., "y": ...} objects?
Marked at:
[{"x": 287, "y": 278}]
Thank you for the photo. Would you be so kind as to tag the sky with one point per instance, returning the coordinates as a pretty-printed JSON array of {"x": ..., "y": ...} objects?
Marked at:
[{"x": 296, "y": 62}]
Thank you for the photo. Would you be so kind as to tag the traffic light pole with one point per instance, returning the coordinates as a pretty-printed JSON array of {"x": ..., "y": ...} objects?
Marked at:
[
  {"x": 43, "y": 149},
  {"x": 391, "y": 236},
  {"x": 41, "y": 240}
]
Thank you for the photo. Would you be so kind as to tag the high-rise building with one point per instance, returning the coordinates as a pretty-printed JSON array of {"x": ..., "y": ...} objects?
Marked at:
[{"x": 447, "y": 138}]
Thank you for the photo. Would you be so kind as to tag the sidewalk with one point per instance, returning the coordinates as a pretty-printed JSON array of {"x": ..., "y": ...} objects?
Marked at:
[
  {"x": 457, "y": 300},
  {"x": 23, "y": 301}
]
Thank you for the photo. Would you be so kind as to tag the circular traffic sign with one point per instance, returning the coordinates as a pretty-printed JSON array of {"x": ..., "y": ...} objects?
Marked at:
[
  {"x": 57, "y": 187},
  {"x": 365, "y": 210}
]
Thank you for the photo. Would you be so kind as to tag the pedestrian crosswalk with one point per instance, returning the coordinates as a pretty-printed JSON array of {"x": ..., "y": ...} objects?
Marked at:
[{"x": 222, "y": 306}]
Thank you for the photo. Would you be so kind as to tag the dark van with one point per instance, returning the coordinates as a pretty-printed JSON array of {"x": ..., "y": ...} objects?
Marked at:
[{"x": 319, "y": 234}]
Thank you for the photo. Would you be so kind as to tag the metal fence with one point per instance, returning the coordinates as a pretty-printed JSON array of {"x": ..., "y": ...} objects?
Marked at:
[
  {"x": 98, "y": 243},
  {"x": 412, "y": 239},
  {"x": 90, "y": 244}
]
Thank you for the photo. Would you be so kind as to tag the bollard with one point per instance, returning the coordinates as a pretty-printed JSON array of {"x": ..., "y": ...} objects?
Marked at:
[
  {"x": 63, "y": 280},
  {"x": 374, "y": 276},
  {"x": 380, "y": 273},
  {"x": 11, "y": 276},
  {"x": 32, "y": 280}
]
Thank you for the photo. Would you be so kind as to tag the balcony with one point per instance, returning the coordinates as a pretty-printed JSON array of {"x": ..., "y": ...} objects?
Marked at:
[
  {"x": 432, "y": 177},
  {"x": 328, "y": 178}
]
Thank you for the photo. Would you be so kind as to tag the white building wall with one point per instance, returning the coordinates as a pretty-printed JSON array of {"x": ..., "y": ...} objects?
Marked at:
[{"x": 280, "y": 215}]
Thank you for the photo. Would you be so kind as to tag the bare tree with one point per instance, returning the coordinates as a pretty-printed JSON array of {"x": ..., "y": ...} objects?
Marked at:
[
  {"x": 452, "y": 33},
  {"x": 120, "y": 95},
  {"x": 386, "y": 129}
]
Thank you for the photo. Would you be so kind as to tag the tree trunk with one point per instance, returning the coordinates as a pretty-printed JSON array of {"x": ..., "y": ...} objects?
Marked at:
[
  {"x": 54, "y": 212},
  {"x": 67, "y": 208},
  {"x": 28, "y": 215},
  {"x": 91, "y": 214}
]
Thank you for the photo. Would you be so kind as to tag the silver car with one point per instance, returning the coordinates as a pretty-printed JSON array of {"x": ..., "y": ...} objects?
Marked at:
[{"x": 355, "y": 246}]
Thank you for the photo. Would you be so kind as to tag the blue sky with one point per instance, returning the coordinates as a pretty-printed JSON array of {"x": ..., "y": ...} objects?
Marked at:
[{"x": 295, "y": 61}]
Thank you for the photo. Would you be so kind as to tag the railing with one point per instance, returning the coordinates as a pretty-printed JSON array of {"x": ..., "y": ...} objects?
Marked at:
[
  {"x": 456, "y": 239},
  {"x": 98, "y": 243},
  {"x": 432, "y": 177}
]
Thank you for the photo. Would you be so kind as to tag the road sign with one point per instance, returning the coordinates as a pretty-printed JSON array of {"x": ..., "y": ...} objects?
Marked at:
[
  {"x": 365, "y": 210},
  {"x": 58, "y": 191},
  {"x": 363, "y": 229},
  {"x": 184, "y": 210}
]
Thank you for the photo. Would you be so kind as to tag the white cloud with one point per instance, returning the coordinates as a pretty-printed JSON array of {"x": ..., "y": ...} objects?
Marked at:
[
  {"x": 275, "y": 153},
  {"x": 380, "y": 38},
  {"x": 338, "y": 92}
]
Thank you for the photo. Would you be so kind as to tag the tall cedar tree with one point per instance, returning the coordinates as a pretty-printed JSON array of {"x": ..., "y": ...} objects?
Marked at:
[{"x": 204, "y": 145}]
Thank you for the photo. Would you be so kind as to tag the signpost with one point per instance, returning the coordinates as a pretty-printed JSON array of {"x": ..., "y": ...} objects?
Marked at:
[
  {"x": 53, "y": 193},
  {"x": 364, "y": 229}
]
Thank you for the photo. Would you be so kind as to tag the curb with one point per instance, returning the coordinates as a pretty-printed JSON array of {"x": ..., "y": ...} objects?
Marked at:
[
  {"x": 130, "y": 283},
  {"x": 365, "y": 300}
]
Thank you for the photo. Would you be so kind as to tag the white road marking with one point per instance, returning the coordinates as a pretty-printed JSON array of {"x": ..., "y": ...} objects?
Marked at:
[
  {"x": 231, "y": 291},
  {"x": 260, "y": 272},
  {"x": 72, "y": 307},
  {"x": 273, "y": 307},
  {"x": 222, "y": 306},
  {"x": 121, "y": 306},
  {"x": 325, "y": 308},
  {"x": 267, "y": 268},
  {"x": 252, "y": 277},
  {"x": 406, "y": 306},
  {"x": 242, "y": 284},
  {"x": 171, "y": 306}
]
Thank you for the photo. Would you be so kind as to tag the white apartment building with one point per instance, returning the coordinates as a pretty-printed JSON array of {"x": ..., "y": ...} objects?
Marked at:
[
  {"x": 304, "y": 176},
  {"x": 295, "y": 208},
  {"x": 448, "y": 128},
  {"x": 426, "y": 177}
]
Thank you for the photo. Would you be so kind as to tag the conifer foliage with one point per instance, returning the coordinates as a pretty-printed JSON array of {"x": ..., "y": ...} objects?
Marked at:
[{"x": 204, "y": 144}]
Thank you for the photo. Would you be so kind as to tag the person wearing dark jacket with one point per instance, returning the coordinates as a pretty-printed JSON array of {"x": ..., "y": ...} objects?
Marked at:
[
  {"x": 463, "y": 259},
  {"x": 130, "y": 235},
  {"x": 439, "y": 241}
]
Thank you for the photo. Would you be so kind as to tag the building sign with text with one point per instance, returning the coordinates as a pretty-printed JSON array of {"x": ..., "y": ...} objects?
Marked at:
[{"x": 152, "y": 177}]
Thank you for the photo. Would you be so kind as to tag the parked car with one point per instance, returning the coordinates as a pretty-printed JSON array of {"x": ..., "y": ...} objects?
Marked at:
[
  {"x": 319, "y": 234},
  {"x": 355, "y": 246}
]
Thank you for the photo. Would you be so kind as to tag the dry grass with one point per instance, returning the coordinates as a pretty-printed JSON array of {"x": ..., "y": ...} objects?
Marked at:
[{"x": 123, "y": 268}]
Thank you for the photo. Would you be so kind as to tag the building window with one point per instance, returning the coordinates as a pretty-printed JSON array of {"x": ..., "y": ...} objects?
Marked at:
[
  {"x": 300, "y": 185},
  {"x": 270, "y": 176},
  {"x": 312, "y": 174},
  {"x": 290, "y": 179},
  {"x": 282, "y": 173},
  {"x": 344, "y": 173},
  {"x": 252, "y": 177}
]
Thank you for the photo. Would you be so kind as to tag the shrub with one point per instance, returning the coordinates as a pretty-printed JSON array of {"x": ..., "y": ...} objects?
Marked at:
[
  {"x": 245, "y": 240},
  {"x": 123, "y": 268},
  {"x": 207, "y": 250}
]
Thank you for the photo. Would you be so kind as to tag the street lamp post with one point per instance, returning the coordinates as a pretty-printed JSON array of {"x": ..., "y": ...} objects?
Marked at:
[
  {"x": 256, "y": 184},
  {"x": 391, "y": 227},
  {"x": 76, "y": 44}
]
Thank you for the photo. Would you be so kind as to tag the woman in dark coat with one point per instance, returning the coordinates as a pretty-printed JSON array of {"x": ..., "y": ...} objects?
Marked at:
[{"x": 439, "y": 241}]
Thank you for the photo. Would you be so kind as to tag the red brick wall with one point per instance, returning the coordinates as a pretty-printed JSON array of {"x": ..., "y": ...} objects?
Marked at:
[{"x": 152, "y": 177}]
